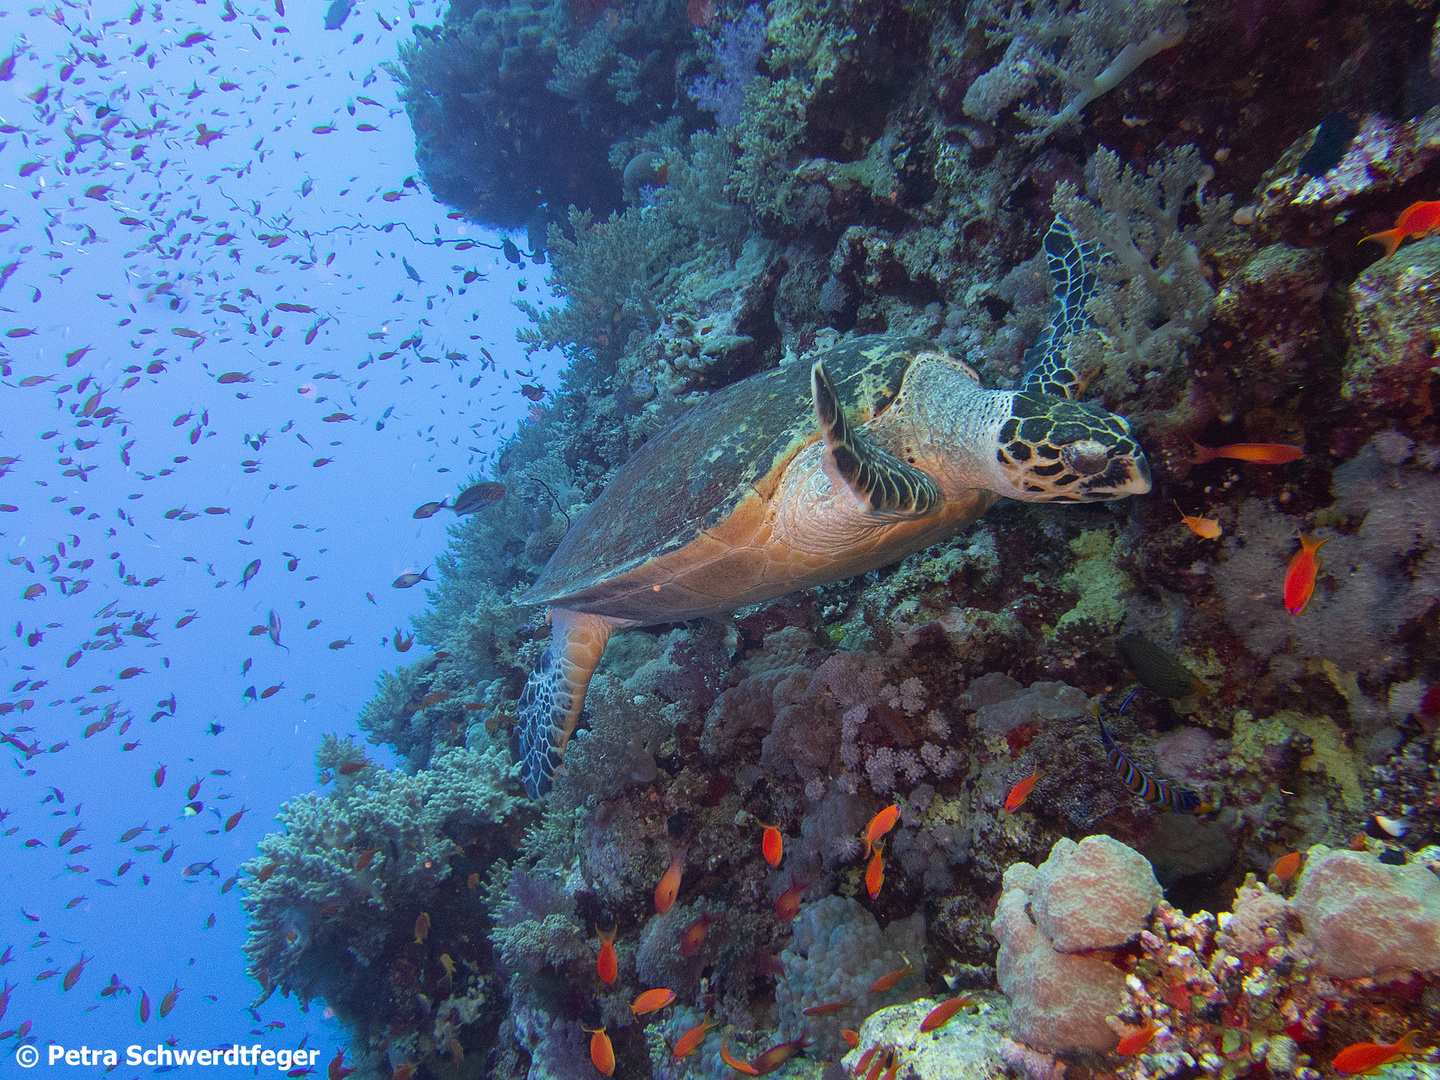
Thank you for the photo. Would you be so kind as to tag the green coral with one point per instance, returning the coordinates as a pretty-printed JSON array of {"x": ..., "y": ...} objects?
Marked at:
[
  {"x": 1102, "y": 587},
  {"x": 346, "y": 865}
]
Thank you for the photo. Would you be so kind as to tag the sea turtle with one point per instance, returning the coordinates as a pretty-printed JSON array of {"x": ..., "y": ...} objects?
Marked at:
[{"x": 811, "y": 473}]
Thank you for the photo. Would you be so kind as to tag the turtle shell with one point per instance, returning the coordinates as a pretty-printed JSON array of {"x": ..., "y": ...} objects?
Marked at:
[{"x": 722, "y": 458}]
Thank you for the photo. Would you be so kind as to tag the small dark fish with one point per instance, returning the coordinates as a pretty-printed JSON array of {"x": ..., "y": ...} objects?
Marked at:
[
  {"x": 337, "y": 13},
  {"x": 271, "y": 691},
  {"x": 1332, "y": 139},
  {"x": 534, "y": 393},
  {"x": 406, "y": 581},
  {"x": 477, "y": 495},
  {"x": 340, "y": 643},
  {"x": 428, "y": 509},
  {"x": 1156, "y": 669},
  {"x": 250, "y": 572}
]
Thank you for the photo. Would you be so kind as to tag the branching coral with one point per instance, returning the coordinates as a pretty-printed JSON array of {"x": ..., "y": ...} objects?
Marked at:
[
  {"x": 325, "y": 893},
  {"x": 1154, "y": 298},
  {"x": 1076, "y": 52}
]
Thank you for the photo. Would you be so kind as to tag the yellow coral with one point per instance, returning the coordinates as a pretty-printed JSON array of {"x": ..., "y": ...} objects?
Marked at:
[{"x": 1101, "y": 584}]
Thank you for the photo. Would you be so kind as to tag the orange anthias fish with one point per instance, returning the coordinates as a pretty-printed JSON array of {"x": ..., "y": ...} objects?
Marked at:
[
  {"x": 1417, "y": 219},
  {"x": 688, "y": 1043},
  {"x": 602, "y": 1053},
  {"x": 651, "y": 1000},
  {"x": 669, "y": 886},
  {"x": 694, "y": 935},
  {"x": 881, "y": 824},
  {"x": 1203, "y": 527},
  {"x": 168, "y": 1001},
  {"x": 787, "y": 904},
  {"x": 735, "y": 1063},
  {"x": 1136, "y": 1041},
  {"x": 875, "y": 873},
  {"x": 1366, "y": 1057},
  {"x": 777, "y": 1055},
  {"x": 1021, "y": 791},
  {"x": 606, "y": 964},
  {"x": 851, "y": 1037},
  {"x": 1286, "y": 865},
  {"x": 830, "y": 1008},
  {"x": 337, "y": 1069},
  {"x": 1254, "y": 453},
  {"x": 1300, "y": 578},
  {"x": 887, "y": 983},
  {"x": 772, "y": 845},
  {"x": 942, "y": 1013}
]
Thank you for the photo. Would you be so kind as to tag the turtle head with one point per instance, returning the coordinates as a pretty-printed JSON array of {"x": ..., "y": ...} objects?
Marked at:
[{"x": 1051, "y": 449}]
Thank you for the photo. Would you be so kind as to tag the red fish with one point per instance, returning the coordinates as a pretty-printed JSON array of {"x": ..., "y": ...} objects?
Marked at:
[
  {"x": 669, "y": 886},
  {"x": 1021, "y": 791},
  {"x": 1300, "y": 578},
  {"x": 1136, "y": 1041},
  {"x": 830, "y": 1008},
  {"x": 787, "y": 905},
  {"x": 651, "y": 1000},
  {"x": 735, "y": 1063},
  {"x": 337, "y": 1069},
  {"x": 875, "y": 873},
  {"x": 881, "y": 824},
  {"x": 886, "y": 983},
  {"x": 777, "y": 1055},
  {"x": 688, "y": 1043},
  {"x": 1365, "y": 1057},
  {"x": 694, "y": 935},
  {"x": 1286, "y": 865},
  {"x": 1254, "y": 453},
  {"x": 772, "y": 845},
  {"x": 234, "y": 819},
  {"x": 606, "y": 964},
  {"x": 602, "y": 1052},
  {"x": 73, "y": 975},
  {"x": 1417, "y": 219},
  {"x": 168, "y": 1001},
  {"x": 941, "y": 1014}
]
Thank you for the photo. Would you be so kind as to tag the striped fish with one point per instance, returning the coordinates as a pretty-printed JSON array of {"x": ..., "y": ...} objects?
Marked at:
[{"x": 1146, "y": 784}]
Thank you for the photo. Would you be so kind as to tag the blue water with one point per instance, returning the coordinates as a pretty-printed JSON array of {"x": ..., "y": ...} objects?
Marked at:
[{"x": 312, "y": 227}]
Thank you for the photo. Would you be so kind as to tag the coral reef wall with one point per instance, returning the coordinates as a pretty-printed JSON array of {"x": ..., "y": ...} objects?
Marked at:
[{"x": 725, "y": 188}]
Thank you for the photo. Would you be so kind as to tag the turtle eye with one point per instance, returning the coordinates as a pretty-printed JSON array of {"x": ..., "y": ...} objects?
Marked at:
[{"x": 1086, "y": 457}]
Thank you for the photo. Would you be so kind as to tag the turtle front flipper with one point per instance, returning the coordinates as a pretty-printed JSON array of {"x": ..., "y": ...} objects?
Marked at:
[
  {"x": 886, "y": 487},
  {"x": 554, "y": 694},
  {"x": 1046, "y": 367}
]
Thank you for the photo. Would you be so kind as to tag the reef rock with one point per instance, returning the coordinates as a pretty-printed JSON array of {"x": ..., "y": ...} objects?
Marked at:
[
  {"x": 1393, "y": 331},
  {"x": 970, "y": 1045},
  {"x": 1094, "y": 894},
  {"x": 1366, "y": 918}
]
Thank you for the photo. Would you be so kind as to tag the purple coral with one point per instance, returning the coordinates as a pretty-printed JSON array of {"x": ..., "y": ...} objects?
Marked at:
[{"x": 722, "y": 89}]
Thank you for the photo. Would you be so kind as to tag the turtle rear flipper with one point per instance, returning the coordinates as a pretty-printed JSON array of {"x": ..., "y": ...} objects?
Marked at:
[
  {"x": 554, "y": 694},
  {"x": 886, "y": 487}
]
